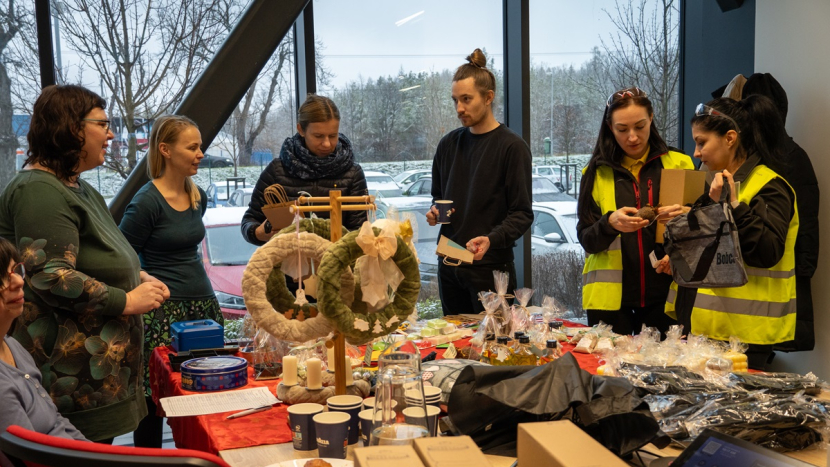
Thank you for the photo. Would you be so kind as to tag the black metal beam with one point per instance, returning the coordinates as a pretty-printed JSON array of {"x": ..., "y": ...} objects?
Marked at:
[
  {"x": 43, "y": 22},
  {"x": 516, "y": 15},
  {"x": 304, "y": 59},
  {"x": 226, "y": 79}
]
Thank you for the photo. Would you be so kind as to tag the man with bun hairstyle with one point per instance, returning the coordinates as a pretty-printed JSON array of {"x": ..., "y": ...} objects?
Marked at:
[{"x": 485, "y": 169}]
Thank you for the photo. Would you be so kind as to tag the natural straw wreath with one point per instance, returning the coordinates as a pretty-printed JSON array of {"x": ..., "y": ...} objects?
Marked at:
[
  {"x": 270, "y": 307},
  {"x": 359, "y": 328}
]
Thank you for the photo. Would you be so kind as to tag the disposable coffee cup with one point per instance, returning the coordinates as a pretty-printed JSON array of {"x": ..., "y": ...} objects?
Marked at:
[
  {"x": 344, "y": 401},
  {"x": 415, "y": 416},
  {"x": 301, "y": 421},
  {"x": 369, "y": 403},
  {"x": 444, "y": 207},
  {"x": 366, "y": 425},
  {"x": 354, "y": 420},
  {"x": 332, "y": 434}
]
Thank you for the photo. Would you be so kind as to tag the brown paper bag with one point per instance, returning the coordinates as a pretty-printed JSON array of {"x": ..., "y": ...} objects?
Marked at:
[
  {"x": 277, "y": 207},
  {"x": 452, "y": 253}
]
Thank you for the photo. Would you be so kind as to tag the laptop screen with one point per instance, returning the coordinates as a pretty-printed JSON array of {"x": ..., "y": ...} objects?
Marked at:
[{"x": 715, "y": 449}]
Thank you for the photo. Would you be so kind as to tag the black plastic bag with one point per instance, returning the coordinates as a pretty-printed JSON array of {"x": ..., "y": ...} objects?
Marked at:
[{"x": 487, "y": 403}]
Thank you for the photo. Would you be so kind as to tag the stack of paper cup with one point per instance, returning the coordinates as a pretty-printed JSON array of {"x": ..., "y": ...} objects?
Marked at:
[{"x": 351, "y": 405}]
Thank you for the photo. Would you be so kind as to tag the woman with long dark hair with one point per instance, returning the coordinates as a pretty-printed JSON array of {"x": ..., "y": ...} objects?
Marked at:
[
  {"x": 742, "y": 142},
  {"x": 620, "y": 285}
]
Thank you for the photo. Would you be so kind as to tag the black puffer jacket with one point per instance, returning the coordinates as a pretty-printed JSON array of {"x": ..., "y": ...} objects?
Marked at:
[{"x": 336, "y": 172}]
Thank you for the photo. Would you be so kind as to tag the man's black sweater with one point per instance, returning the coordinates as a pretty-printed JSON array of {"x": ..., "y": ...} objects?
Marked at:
[{"x": 488, "y": 178}]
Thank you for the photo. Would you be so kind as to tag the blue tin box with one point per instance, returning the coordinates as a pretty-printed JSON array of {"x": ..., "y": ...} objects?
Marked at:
[
  {"x": 214, "y": 373},
  {"x": 197, "y": 334}
]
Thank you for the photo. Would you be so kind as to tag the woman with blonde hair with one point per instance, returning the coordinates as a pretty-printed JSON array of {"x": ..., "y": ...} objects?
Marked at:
[{"x": 163, "y": 223}]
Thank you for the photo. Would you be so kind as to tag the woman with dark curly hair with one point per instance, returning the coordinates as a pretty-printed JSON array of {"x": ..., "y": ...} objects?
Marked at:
[{"x": 85, "y": 290}]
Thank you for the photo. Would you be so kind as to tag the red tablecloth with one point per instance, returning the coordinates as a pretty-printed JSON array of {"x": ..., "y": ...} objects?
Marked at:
[{"x": 214, "y": 433}]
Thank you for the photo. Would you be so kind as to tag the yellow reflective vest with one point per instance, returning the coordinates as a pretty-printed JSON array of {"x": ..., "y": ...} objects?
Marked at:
[
  {"x": 602, "y": 273},
  {"x": 762, "y": 311}
]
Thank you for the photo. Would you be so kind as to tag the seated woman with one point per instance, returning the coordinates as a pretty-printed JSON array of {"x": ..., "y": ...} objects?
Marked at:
[
  {"x": 23, "y": 399},
  {"x": 317, "y": 159}
]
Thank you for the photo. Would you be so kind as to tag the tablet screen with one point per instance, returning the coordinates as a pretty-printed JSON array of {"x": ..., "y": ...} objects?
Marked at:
[{"x": 714, "y": 449}]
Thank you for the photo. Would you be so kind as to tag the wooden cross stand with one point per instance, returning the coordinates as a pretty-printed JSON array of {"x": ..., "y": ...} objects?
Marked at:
[{"x": 336, "y": 207}]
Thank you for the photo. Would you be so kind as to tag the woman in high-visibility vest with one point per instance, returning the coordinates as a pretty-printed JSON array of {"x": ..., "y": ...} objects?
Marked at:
[
  {"x": 741, "y": 141},
  {"x": 620, "y": 286}
]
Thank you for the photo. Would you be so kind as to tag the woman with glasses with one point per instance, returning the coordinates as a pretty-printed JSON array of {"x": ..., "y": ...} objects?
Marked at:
[
  {"x": 23, "y": 399},
  {"x": 85, "y": 290},
  {"x": 164, "y": 225},
  {"x": 621, "y": 285},
  {"x": 742, "y": 143}
]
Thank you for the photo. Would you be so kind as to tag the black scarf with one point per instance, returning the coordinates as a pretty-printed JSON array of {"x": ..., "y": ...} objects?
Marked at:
[{"x": 299, "y": 162}]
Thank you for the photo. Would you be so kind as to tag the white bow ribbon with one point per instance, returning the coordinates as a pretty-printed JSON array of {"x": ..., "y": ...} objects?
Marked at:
[{"x": 377, "y": 269}]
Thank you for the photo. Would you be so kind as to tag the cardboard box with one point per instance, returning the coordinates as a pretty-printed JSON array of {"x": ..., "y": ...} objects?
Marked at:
[
  {"x": 679, "y": 186},
  {"x": 386, "y": 456},
  {"x": 450, "y": 451},
  {"x": 561, "y": 444}
]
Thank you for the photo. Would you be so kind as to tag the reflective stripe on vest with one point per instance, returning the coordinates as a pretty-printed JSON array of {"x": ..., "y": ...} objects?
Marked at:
[
  {"x": 762, "y": 311},
  {"x": 602, "y": 273}
]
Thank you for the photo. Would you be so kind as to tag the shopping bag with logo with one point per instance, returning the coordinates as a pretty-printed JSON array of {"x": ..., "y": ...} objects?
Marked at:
[
  {"x": 277, "y": 207},
  {"x": 703, "y": 245}
]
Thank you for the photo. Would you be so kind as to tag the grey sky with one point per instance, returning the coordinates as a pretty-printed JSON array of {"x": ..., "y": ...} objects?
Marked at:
[{"x": 362, "y": 39}]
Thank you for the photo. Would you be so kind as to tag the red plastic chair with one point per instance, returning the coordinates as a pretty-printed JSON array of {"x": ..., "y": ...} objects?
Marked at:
[{"x": 26, "y": 448}]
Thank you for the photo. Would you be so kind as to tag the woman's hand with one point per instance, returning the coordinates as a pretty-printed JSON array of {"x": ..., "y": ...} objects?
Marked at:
[
  {"x": 148, "y": 278},
  {"x": 716, "y": 188},
  {"x": 663, "y": 266},
  {"x": 667, "y": 213},
  {"x": 622, "y": 220},
  {"x": 147, "y": 296}
]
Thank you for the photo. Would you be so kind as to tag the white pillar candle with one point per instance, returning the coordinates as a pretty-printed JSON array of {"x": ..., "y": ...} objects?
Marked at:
[
  {"x": 348, "y": 367},
  {"x": 330, "y": 359},
  {"x": 289, "y": 370},
  {"x": 314, "y": 375}
]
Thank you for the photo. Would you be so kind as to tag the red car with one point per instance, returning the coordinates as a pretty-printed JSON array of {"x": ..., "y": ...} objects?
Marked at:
[{"x": 225, "y": 254}]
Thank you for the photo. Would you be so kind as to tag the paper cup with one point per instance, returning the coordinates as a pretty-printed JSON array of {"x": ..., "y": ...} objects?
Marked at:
[
  {"x": 332, "y": 434},
  {"x": 444, "y": 207},
  {"x": 354, "y": 420},
  {"x": 366, "y": 425},
  {"x": 344, "y": 401},
  {"x": 369, "y": 403},
  {"x": 415, "y": 416},
  {"x": 301, "y": 421}
]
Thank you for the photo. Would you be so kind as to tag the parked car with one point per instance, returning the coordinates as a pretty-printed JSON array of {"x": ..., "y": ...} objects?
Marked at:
[
  {"x": 545, "y": 190},
  {"x": 421, "y": 187},
  {"x": 225, "y": 255},
  {"x": 554, "y": 227},
  {"x": 217, "y": 195},
  {"x": 215, "y": 161},
  {"x": 408, "y": 177},
  {"x": 381, "y": 183},
  {"x": 551, "y": 172},
  {"x": 241, "y": 197}
]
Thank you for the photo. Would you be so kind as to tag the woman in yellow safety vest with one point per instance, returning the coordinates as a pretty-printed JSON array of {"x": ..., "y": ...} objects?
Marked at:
[
  {"x": 742, "y": 141},
  {"x": 620, "y": 286}
]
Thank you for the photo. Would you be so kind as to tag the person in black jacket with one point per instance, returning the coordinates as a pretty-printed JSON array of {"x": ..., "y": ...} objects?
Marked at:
[
  {"x": 622, "y": 176},
  {"x": 800, "y": 174},
  {"x": 317, "y": 159}
]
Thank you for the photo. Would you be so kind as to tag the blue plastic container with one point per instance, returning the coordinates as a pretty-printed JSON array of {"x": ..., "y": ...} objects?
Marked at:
[
  {"x": 214, "y": 373},
  {"x": 196, "y": 335}
]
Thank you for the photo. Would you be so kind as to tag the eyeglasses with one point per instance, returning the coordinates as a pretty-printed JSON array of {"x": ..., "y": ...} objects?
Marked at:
[
  {"x": 620, "y": 95},
  {"x": 702, "y": 110},
  {"x": 18, "y": 269},
  {"x": 103, "y": 123}
]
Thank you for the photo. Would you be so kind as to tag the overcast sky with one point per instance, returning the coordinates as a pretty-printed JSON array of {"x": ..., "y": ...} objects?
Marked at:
[{"x": 381, "y": 36}]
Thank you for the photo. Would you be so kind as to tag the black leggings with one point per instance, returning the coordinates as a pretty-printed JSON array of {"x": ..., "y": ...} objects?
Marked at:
[{"x": 148, "y": 434}]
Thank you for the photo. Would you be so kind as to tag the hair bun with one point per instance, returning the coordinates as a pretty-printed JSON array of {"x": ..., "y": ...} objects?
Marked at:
[{"x": 477, "y": 58}]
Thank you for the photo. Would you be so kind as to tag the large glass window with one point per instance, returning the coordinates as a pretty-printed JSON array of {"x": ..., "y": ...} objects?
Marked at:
[
  {"x": 580, "y": 53},
  {"x": 389, "y": 68}
]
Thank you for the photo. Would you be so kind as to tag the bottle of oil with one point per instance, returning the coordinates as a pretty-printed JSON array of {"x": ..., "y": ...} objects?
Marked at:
[
  {"x": 551, "y": 352},
  {"x": 489, "y": 342},
  {"x": 514, "y": 344},
  {"x": 500, "y": 353},
  {"x": 523, "y": 355}
]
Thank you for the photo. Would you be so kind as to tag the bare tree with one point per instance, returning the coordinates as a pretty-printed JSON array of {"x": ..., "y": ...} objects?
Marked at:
[
  {"x": 146, "y": 54},
  {"x": 645, "y": 52},
  {"x": 13, "y": 20}
]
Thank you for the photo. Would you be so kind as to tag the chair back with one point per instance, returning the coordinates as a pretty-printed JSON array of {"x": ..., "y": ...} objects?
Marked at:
[{"x": 26, "y": 448}]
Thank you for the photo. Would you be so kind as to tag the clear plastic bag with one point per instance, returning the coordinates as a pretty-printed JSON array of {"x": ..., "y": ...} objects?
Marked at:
[
  {"x": 267, "y": 355},
  {"x": 520, "y": 316}
]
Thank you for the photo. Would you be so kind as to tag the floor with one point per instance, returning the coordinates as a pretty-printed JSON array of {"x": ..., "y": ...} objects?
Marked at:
[{"x": 166, "y": 438}]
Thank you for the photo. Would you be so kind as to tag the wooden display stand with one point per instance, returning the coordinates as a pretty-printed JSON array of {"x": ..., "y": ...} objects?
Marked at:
[{"x": 336, "y": 207}]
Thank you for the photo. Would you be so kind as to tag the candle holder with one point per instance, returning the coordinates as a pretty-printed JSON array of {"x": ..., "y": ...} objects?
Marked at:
[{"x": 298, "y": 393}]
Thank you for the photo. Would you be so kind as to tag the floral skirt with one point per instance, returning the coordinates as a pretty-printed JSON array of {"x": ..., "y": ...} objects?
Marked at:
[{"x": 157, "y": 325}]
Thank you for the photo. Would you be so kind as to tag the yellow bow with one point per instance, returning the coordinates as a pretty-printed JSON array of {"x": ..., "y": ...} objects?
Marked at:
[{"x": 377, "y": 269}]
